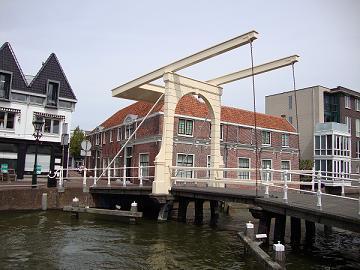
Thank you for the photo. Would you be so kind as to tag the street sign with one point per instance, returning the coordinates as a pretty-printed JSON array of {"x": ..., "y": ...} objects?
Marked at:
[
  {"x": 4, "y": 168},
  {"x": 86, "y": 145},
  {"x": 85, "y": 153},
  {"x": 38, "y": 169}
]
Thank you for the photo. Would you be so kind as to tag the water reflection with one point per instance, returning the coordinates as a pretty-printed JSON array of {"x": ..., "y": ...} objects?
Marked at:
[{"x": 53, "y": 240}]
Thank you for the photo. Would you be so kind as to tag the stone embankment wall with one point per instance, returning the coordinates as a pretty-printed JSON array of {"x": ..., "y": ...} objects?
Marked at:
[{"x": 30, "y": 199}]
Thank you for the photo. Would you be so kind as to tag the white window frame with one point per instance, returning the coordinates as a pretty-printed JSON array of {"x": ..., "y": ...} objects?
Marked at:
[
  {"x": 263, "y": 175},
  {"x": 348, "y": 123},
  {"x": 57, "y": 94},
  {"x": 185, "y": 171},
  {"x": 104, "y": 137},
  {"x": 262, "y": 137},
  {"x": 145, "y": 170},
  {"x": 51, "y": 126},
  {"x": 186, "y": 121},
  {"x": 10, "y": 83},
  {"x": 357, "y": 104},
  {"x": 110, "y": 136},
  {"x": 5, "y": 121},
  {"x": 357, "y": 128},
  {"x": 118, "y": 136},
  {"x": 289, "y": 174},
  {"x": 129, "y": 129},
  {"x": 97, "y": 138},
  {"x": 241, "y": 172},
  {"x": 287, "y": 141},
  {"x": 358, "y": 149},
  {"x": 347, "y": 102}
]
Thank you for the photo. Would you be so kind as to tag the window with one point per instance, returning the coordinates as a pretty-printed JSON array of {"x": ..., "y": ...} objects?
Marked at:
[
  {"x": 97, "y": 138},
  {"x": 285, "y": 140},
  {"x": 5, "y": 79},
  {"x": 266, "y": 164},
  {"x": 119, "y": 134},
  {"x": 104, "y": 137},
  {"x": 244, "y": 163},
  {"x": 290, "y": 119},
  {"x": 348, "y": 123},
  {"x": 129, "y": 129},
  {"x": 110, "y": 135},
  {"x": 7, "y": 120},
  {"x": 187, "y": 161},
  {"x": 51, "y": 126},
  {"x": 357, "y": 104},
  {"x": 65, "y": 104},
  {"x": 19, "y": 97},
  {"x": 144, "y": 164},
  {"x": 266, "y": 138},
  {"x": 358, "y": 149},
  {"x": 290, "y": 102},
  {"x": 347, "y": 102},
  {"x": 185, "y": 127},
  {"x": 331, "y": 108},
  {"x": 52, "y": 94},
  {"x": 36, "y": 100},
  {"x": 357, "y": 124},
  {"x": 221, "y": 132},
  {"x": 285, "y": 166}
]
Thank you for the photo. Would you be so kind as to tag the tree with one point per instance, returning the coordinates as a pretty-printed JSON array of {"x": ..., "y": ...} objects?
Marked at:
[{"x": 75, "y": 142}]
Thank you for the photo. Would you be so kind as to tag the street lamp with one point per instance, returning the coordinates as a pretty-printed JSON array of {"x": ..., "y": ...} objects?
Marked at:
[{"x": 38, "y": 124}]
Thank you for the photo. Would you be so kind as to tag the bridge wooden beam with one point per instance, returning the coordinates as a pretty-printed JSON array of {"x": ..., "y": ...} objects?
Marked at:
[{"x": 187, "y": 62}]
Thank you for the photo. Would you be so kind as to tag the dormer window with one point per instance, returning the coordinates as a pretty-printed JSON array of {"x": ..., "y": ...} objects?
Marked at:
[
  {"x": 52, "y": 94},
  {"x": 5, "y": 79}
]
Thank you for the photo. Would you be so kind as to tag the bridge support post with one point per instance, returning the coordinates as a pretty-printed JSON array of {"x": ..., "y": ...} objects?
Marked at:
[
  {"x": 309, "y": 231},
  {"x": 264, "y": 221},
  {"x": 279, "y": 230},
  {"x": 183, "y": 204},
  {"x": 199, "y": 213},
  {"x": 214, "y": 208},
  {"x": 295, "y": 230},
  {"x": 165, "y": 209}
]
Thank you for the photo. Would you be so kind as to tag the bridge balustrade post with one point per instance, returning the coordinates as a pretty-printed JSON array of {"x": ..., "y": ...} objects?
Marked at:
[
  {"x": 313, "y": 179},
  {"x": 84, "y": 177},
  {"x": 141, "y": 176},
  {"x": 318, "y": 193},
  {"x": 342, "y": 184},
  {"x": 267, "y": 182},
  {"x": 124, "y": 176},
  {"x": 108, "y": 176},
  {"x": 285, "y": 175},
  {"x": 95, "y": 172}
]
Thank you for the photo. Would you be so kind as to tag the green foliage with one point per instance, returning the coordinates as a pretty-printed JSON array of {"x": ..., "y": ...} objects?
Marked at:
[
  {"x": 306, "y": 164},
  {"x": 75, "y": 142}
]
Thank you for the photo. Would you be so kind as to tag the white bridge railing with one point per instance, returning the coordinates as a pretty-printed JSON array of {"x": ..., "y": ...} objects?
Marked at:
[
  {"x": 270, "y": 179},
  {"x": 88, "y": 177}
]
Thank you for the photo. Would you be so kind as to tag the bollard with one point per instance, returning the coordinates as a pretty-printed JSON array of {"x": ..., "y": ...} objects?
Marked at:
[
  {"x": 250, "y": 230},
  {"x": 75, "y": 202},
  {"x": 134, "y": 207},
  {"x": 279, "y": 252},
  {"x": 44, "y": 202},
  {"x": 318, "y": 193},
  {"x": 266, "y": 195},
  {"x": 285, "y": 187}
]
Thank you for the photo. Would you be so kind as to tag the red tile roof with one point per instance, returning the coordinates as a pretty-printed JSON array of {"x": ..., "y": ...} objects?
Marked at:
[{"x": 191, "y": 106}]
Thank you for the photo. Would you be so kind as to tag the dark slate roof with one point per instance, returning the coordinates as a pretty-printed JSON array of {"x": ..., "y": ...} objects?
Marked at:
[
  {"x": 8, "y": 62},
  {"x": 346, "y": 91},
  {"x": 50, "y": 70}
]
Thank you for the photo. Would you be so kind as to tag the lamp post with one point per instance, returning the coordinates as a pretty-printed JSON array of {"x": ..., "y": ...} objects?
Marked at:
[{"x": 38, "y": 124}]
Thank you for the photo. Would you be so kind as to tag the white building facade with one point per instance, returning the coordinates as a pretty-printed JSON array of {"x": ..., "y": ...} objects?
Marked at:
[{"x": 23, "y": 98}]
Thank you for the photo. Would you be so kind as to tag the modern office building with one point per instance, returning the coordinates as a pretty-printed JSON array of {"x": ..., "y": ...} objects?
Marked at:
[
  {"x": 315, "y": 105},
  {"x": 48, "y": 95}
]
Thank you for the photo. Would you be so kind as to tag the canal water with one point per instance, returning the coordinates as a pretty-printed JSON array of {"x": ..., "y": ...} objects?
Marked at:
[{"x": 54, "y": 240}]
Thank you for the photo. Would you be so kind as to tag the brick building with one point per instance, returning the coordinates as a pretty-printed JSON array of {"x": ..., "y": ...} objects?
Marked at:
[{"x": 277, "y": 139}]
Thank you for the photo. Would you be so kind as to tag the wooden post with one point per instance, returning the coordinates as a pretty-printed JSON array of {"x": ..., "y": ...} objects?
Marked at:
[
  {"x": 310, "y": 232},
  {"x": 279, "y": 230},
  {"x": 214, "y": 208},
  {"x": 199, "y": 213},
  {"x": 183, "y": 204},
  {"x": 295, "y": 231}
]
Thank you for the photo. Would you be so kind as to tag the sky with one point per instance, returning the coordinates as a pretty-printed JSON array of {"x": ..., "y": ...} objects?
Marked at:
[{"x": 104, "y": 44}]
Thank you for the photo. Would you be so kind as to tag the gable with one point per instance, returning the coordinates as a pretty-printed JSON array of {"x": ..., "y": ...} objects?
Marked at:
[
  {"x": 8, "y": 62},
  {"x": 51, "y": 70}
]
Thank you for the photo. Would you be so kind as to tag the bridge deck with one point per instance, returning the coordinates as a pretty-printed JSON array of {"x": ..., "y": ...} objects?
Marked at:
[{"x": 335, "y": 211}]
